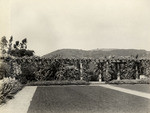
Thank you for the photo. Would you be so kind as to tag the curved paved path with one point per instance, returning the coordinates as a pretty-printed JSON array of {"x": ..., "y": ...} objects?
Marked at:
[{"x": 129, "y": 91}]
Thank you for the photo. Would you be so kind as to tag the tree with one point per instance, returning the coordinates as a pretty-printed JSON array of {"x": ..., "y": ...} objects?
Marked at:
[
  {"x": 23, "y": 45},
  {"x": 16, "y": 45},
  {"x": 3, "y": 44},
  {"x": 18, "y": 49},
  {"x": 10, "y": 44}
]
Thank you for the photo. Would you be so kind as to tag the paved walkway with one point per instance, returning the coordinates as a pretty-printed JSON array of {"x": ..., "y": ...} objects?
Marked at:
[
  {"x": 129, "y": 91},
  {"x": 21, "y": 102}
]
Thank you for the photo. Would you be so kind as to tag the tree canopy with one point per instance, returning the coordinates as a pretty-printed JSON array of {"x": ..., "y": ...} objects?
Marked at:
[{"x": 18, "y": 49}]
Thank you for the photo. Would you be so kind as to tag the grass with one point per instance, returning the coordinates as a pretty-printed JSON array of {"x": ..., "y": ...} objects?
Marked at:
[
  {"x": 64, "y": 82},
  {"x": 85, "y": 99},
  {"x": 127, "y": 81}
]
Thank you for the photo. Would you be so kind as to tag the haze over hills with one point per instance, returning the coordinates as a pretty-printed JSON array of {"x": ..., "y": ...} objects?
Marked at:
[{"x": 97, "y": 53}]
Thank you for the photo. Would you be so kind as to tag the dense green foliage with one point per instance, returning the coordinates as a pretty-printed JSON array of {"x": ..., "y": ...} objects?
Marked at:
[{"x": 41, "y": 69}]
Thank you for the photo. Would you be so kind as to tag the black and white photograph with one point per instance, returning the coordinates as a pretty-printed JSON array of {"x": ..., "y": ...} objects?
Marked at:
[{"x": 74, "y": 56}]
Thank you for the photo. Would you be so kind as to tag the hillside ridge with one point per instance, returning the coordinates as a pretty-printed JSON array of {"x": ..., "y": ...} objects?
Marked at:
[{"x": 97, "y": 53}]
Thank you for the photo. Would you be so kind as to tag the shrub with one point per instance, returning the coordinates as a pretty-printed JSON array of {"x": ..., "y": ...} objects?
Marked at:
[
  {"x": 8, "y": 88},
  {"x": 55, "y": 82},
  {"x": 131, "y": 81}
]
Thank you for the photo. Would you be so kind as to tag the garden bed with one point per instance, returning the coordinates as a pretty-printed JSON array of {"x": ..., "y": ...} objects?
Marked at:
[{"x": 8, "y": 89}]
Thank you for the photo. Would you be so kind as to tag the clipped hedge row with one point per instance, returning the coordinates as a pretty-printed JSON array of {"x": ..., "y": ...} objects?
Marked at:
[
  {"x": 127, "y": 81},
  {"x": 56, "y": 82}
]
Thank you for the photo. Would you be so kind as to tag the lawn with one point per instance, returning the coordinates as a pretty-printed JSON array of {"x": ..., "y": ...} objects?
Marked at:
[
  {"x": 86, "y": 99},
  {"x": 137, "y": 87}
]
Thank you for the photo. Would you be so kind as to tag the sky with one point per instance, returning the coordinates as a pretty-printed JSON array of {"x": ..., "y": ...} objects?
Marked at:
[{"x": 49, "y": 25}]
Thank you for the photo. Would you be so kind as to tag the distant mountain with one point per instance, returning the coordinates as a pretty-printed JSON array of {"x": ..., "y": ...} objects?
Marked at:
[{"x": 97, "y": 53}]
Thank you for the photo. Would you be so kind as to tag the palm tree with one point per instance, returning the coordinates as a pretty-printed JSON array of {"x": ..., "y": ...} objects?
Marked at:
[
  {"x": 24, "y": 43},
  {"x": 16, "y": 45},
  {"x": 3, "y": 44},
  {"x": 10, "y": 45}
]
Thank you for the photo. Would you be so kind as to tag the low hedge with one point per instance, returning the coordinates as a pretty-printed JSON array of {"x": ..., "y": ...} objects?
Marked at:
[
  {"x": 127, "y": 81},
  {"x": 63, "y": 82}
]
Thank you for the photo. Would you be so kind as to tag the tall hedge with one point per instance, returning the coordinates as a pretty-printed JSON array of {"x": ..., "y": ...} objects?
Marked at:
[{"x": 39, "y": 69}]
